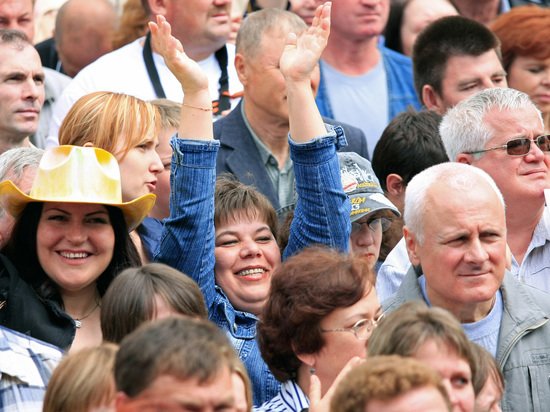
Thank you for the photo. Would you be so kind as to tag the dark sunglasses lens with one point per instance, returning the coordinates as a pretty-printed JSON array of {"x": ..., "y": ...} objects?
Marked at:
[
  {"x": 518, "y": 147},
  {"x": 544, "y": 143}
]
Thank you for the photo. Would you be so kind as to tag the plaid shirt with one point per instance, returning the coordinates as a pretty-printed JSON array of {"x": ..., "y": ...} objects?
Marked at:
[{"x": 26, "y": 365}]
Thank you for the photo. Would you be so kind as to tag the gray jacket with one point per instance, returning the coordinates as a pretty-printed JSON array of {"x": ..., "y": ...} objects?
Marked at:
[{"x": 523, "y": 349}]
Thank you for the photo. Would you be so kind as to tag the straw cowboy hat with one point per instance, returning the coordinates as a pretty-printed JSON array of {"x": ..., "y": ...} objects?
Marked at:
[{"x": 74, "y": 174}]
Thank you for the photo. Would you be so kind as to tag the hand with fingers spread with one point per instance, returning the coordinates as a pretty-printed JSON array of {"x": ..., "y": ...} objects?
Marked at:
[
  {"x": 302, "y": 54},
  {"x": 186, "y": 70}
]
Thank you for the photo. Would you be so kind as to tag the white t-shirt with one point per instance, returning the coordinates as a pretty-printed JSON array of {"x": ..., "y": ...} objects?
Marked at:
[{"x": 124, "y": 71}]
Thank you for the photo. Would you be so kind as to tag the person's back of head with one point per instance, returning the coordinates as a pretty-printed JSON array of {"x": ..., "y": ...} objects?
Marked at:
[
  {"x": 445, "y": 38},
  {"x": 388, "y": 383},
  {"x": 148, "y": 292},
  {"x": 181, "y": 348}
]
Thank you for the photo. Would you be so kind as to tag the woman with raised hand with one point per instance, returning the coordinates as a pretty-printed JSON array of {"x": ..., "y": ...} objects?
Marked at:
[{"x": 226, "y": 240}]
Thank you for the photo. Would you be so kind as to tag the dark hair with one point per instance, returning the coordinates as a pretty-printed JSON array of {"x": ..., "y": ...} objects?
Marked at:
[
  {"x": 234, "y": 200},
  {"x": 409, "y": 144},
  {"x": 392, "y": 32},
  {"x": 304, "y": 290},
  {"x": 130, "y": 299},
  {"x": 523, "y": 31},
  {"x": 21, "y": 250},
  {"x": 444, "y": 38},
  {"x": 15, "y": 38},
  {"x": 180, "y": 347}
]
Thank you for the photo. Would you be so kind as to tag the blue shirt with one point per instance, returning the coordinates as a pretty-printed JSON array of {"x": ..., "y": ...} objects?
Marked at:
[
  {"x": 187, "y": 241},
  {"x": 26, "y": 365}
]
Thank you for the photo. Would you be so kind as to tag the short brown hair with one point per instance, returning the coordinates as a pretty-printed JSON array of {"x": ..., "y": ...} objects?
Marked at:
[
  {"x": 180, "y": 347},
  {"x": 235, "y": 200},
  {"x": 384, "y": 378},
  {"x": 405, "y": 330},
  {"x": 523, "y": 31},
  {"x": 304, "y": 290},
  {"x": 105, "y": 119},
  {"x": 170, "y": 112},
  {"x": 130, "y": 299},
  {"x": 487, "y": 367},
  {"x": 83, "y": 380}
]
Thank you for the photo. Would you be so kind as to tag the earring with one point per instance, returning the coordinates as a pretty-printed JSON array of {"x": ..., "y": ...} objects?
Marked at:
[{"x": 312, "y": 369}]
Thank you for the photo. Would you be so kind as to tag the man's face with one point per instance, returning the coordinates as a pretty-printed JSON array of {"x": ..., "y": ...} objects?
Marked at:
[
  {"x": 357, "y": 19},
  {"x": 191, "y": 395},
  {"x": 518, "y": 178},
  {"x": 199, "y": 22},
  {"x": 21, "y": 91},
  {"x": 17, "y": 15},
  {"x": 264, "y": 84},
  {"x": 464, "y": 76},
  {"x": 463, "y": 254}
]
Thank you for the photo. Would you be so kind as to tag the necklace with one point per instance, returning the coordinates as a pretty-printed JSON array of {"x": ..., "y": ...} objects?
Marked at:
[{"x": 78, "y": 322}]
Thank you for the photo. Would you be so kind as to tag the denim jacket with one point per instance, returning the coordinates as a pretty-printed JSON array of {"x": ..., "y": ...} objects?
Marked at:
[
  {"x": 187, "y": 241},
  {"x": 401, "y": 92}
]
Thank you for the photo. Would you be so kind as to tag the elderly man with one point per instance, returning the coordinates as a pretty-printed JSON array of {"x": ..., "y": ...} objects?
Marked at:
[
  {"x": 202, "y": 27},
  {"x": 453, "y": 58},
  {"x": 478, "y": 131},
  {"x": 456, "y": 230},
  {"x": 254, "y": 136},
  {"x": 179, "y": 363},
  {"x": 18, "y": 165},
  {"x": 362, "y": 83}
]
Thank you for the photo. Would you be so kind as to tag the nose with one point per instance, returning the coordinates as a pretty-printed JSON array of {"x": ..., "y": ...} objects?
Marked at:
[
  {"x": 156, "y": 164},
  {"x": 535, "y": 154},
  {"x": 476, "y": 252},
  {"x": 31, "y": 90},
  {"x": 76, "y": 233},
  {"x": 450, "y": 392},
  {"x": 249, "y": 248},
  {"x": 365, "y": 236}
]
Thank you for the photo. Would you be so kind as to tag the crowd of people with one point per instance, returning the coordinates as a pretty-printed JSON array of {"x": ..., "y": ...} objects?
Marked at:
[{"x": 275, "y": 205}]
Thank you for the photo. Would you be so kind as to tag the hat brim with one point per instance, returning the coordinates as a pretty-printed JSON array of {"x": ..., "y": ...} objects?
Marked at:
[
  {"x": 14, "y": 202},
  {"x": 372, "y": 202}
]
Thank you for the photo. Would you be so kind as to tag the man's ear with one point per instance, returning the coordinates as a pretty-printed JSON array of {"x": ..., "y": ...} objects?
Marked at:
[
  {"x": 412, "y": 246},
  {"x": 465, "y": 158},
  {"x": 158, "y": 7},
  {"x": 394, "y": 184},
  {"x": 432, "y": 101},
  {"x": 242, "y": 68}
]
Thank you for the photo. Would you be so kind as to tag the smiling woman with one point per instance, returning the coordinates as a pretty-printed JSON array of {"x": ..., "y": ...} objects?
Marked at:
[
  {"x": 128, "y": 128},
  {"x": 69, "y": 240}
]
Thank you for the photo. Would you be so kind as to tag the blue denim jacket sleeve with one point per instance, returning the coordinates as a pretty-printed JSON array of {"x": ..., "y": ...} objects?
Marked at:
[
  {"x": 187, "y": 240},
  {"x": 322, "y": 213}
]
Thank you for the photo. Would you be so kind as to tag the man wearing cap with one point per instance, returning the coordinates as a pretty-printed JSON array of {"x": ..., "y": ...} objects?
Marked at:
[
  {"x": 368, "y": 204},
  {"x": 253, "y": 137}
]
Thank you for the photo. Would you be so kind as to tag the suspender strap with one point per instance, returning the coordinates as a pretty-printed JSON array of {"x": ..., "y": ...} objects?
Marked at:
[
  {"x": 151, "y": 68},
  {"x": 223, "y": 102}
]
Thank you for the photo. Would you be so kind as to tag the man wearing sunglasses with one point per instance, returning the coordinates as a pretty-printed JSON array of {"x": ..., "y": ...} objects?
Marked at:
[{"x": 501, "y": 132}]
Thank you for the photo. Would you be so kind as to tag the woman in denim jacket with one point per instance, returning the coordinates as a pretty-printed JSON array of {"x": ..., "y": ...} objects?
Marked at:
[{"x": 231, "y": 251}]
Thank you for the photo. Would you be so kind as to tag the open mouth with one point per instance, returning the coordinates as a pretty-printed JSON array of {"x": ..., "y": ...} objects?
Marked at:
[
  {"x": 69, "y": 255},
  {"x": 251, "y": 272}
]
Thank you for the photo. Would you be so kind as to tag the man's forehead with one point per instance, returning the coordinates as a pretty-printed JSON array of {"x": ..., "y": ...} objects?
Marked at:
[
  {"x": 7, "y": 7},
  {"x": 515, "y": 122}
]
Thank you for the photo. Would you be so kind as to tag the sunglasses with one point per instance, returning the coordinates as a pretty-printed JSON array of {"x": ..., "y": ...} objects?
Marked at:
[{"x": 520, "y": 146}]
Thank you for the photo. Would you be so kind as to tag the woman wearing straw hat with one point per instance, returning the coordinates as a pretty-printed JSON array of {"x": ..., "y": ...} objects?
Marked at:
[{"x": 69, "y": 240}]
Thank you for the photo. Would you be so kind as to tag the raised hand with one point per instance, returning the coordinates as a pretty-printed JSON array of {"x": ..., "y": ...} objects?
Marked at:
[
  {"x": 186, "y": 70},
  {"x": 302, "y": 54}
]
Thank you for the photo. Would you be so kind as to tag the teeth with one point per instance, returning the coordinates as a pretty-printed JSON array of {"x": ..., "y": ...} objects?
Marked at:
[
  {"x": 251, "y": 271},
  {"x": 74, "y": 255}
]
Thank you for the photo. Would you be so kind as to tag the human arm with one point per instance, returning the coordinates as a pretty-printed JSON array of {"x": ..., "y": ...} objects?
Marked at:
[
  {"x": 187, "y": 240},
  {"x": 322, "y": 210}
]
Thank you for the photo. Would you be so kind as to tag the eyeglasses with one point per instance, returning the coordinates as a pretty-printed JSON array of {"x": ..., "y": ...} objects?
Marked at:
[
  {"x": 521, "y": 146},
  {"x": 362, "y": 329},
  {"x": 377, "y": 224}
]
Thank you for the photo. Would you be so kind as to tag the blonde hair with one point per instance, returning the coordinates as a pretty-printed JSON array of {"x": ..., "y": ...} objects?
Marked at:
[
  {"x": 83, "y": 380},
  {"x": 105, "y": 119}
]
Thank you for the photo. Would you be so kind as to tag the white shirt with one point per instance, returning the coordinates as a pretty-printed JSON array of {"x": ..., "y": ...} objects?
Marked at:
[
  {"x": 124, "y": 71},
  {"x": 290, "y": 398}
]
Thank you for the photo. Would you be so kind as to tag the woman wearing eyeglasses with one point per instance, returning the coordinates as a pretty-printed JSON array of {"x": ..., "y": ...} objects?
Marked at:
[{"x": 320, "y": 313}]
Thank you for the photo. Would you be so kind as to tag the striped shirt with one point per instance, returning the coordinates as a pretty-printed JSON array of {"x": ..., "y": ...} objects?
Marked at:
[
  {"x": 289, "y": 399},
  {"x": 26, "y": 365}
]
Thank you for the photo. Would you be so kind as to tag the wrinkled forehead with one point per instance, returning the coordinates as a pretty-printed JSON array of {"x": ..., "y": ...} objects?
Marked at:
[{"x": 514, "y": 122}]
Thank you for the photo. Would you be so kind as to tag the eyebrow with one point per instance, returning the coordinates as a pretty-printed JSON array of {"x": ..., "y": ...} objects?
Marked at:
[
  {"x": 68, "y": 213},
  {"x": 234, "y": 232}
]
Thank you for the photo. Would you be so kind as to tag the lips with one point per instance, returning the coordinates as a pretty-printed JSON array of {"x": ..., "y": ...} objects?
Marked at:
[{"x": 74, "y": 255}]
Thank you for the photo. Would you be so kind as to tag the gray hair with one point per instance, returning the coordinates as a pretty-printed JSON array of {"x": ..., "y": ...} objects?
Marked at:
[
  {"x": 463, "y": 128},
  {"x": 13, "y": 163},
  {"x": 458, "y": 176},
  {"x": 271, "y": 20}
]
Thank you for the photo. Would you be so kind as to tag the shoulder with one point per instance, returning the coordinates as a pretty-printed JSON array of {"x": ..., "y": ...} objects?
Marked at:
[{"x": 392, "y": 56}]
